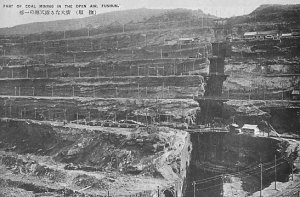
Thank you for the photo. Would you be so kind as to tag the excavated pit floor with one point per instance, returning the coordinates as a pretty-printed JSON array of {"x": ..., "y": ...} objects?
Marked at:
[{"x": 228, "y": 164}]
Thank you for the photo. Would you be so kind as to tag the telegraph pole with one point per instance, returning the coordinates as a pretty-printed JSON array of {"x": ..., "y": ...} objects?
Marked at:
[
  {"x": 52, "y": 90},
  {"x": 44, "y": 53},
  {"x": 275, "y": 173},
  {"x": 292, "y": 170},
  {"x": 194, "y": 186},
  {"x": 261, "y": 179}
]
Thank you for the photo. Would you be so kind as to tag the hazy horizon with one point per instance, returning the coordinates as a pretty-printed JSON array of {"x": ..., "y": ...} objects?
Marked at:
[{"x": 220, "y": 8}]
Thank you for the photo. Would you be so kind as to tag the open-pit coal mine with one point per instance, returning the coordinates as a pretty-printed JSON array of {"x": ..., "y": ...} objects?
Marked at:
[{"x": 177, "y": 103}]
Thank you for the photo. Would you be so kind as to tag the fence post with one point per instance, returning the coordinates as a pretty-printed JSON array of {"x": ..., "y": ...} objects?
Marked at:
[
  {"x": 10, "y": 110},
  {"x": 32, "y": 91},
  {"x": 19, "y": 91},
  {"x": 15, "y": 91},
  {"x": 146, "y": 91},
  {"x": 73, "y": 89},
  {"x": 65, "y": 114}
]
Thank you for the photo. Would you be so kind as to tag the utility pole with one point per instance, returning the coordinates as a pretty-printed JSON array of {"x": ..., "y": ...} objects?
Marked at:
[
  {"x": 44, "y": 53},
  {"x": 73, "y": 91},
  {"x": 282, "y": 92},
  {"x": 222, "y": 185},
  {"x": 27, "y": 74},
  {"x": 64, "y": 34},
  {"x": 146, "y": 39},
  {"x": 123, "y": 28},
  {"x": 79, "y": 72},
  {"x": 275, "y": 173},
  {"x": 194, "y": 64},
  {"x": 65, "y": 114},
  {"x": 19, "y": 91},
  {"x": 292, "y": 170},
  {"x": 194, "y": 186},
  {"x": 10, "y": 110},
  {"x": 12, "y": 73},
  {"x": 163, "y": 88},
  {"x": 228, "y": 94},
  {"x": 52, "y": 90},
  {"x": 147, "y": 118},
  {"x": 261, "y": 179},
  {"x": 3, "y": 57}
]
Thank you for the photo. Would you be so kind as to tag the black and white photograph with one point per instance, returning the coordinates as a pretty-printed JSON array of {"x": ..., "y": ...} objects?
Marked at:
[{"x": 149, "y": 98}]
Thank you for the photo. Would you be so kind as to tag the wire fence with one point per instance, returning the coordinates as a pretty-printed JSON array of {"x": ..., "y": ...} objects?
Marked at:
[
  {"x": 126, "y": 117},
  {"x": 149, "y": 68},
  {"x": 141, "y": 90}
]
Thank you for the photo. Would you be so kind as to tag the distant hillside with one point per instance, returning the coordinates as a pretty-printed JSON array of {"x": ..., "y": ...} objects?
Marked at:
[
  {"x": 126, "y": 16},
  {"x": 116, "y": 17},
  {"x": 270, "y": 13},
  {"x": 178, "y": 15}
]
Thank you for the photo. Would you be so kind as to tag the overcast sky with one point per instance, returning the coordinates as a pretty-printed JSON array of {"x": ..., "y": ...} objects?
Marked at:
[{"x": 223, "y": 8}]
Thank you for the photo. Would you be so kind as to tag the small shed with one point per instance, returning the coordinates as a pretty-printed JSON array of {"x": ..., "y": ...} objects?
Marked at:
[
  {"x": 234, "y": 128},
  {"x": 250, "y": 35},
  {"x": 250, "y": 129},
  {"x": 186, "y": 40},
  {"x": 295, "y": 94}
]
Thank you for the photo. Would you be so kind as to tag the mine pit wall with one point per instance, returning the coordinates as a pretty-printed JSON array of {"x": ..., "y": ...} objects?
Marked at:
[
  {"x": 100, "y": 110},
  {"x": 147, "y": 87},
  {"x": 219, "y": 153},
  {"x": 186, "y": 153},
  {"x": 63, "y": 144},
  {"x": 147, "y": 67},
  {"x": 284, "y": 120}
]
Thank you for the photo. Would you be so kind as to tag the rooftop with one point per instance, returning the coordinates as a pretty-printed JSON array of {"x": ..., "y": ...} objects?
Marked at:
[{"x": 249, "y": 126}]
